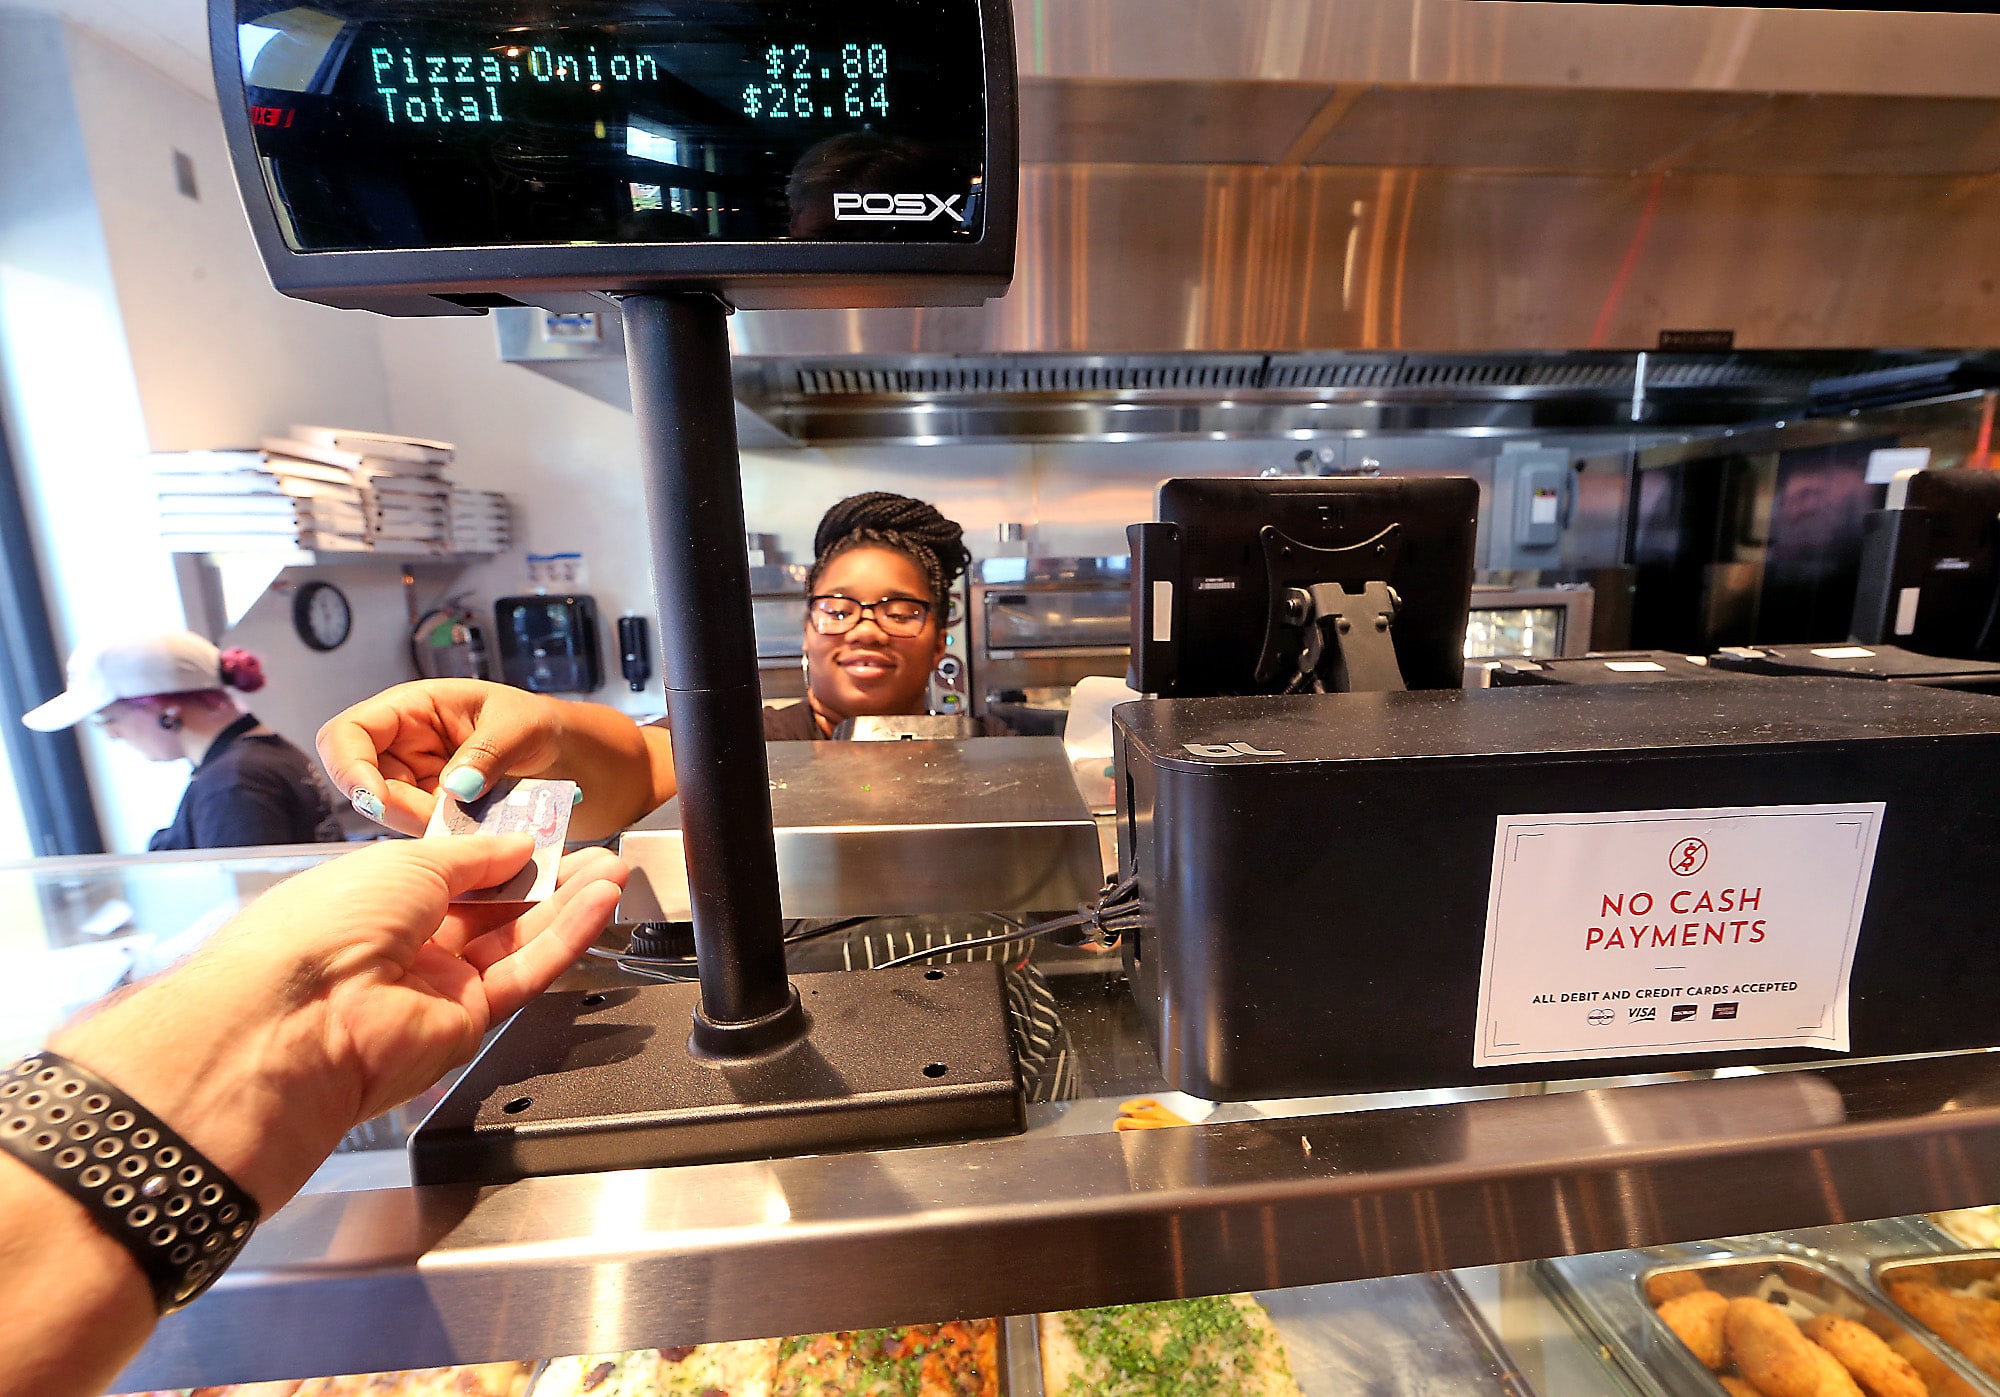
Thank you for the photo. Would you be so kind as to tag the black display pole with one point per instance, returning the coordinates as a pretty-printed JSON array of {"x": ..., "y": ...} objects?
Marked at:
[
  {"x": 587, "y": 1080},
  {"x": 684, "y": 400}
]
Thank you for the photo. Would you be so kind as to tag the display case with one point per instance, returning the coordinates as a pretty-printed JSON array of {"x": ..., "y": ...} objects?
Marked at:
[
  {"x": 1339, "y": 1214},
  {"x": 74, "y": 929}
]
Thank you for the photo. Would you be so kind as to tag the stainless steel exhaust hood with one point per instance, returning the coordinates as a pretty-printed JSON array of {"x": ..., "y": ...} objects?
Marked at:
[
  {"x": 932, "y": 399},
  {"x": 1213, "y": 176},
  {"x": 1272, "y": 217}
]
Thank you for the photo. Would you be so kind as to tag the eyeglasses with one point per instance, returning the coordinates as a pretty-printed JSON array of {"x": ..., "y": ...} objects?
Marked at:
[{"x": 836, "y": 615}]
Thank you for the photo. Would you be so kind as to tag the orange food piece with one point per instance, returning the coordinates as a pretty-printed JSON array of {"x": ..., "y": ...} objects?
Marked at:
[
  {"x": 1669, "y": 1284},
  {"x": 1967, "y": 1323},
  {"x": 1880, "y": 1370},
  {"x": 1937, "y": 1374},
  {"x": 1776, "y": 1358},
  {"x": 1696, "y": 1319}
]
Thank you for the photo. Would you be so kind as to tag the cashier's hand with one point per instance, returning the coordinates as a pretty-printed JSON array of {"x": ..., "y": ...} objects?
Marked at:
[
  {"x": 388, "y": 754},
  {"x": 338, "y": 995}
]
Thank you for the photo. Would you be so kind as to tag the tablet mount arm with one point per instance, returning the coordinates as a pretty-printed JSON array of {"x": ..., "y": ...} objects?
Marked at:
[{"x": 1331, "y": 623}]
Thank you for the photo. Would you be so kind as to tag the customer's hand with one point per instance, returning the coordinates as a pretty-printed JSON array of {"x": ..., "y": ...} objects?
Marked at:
[
  {"x": 390, "y": 754},
  {"x": 338, "y": 995}
]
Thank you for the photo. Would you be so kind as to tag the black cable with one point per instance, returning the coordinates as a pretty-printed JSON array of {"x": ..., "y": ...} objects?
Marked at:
[
  {"x": 1111, "y": 916},
  {"x": 972, "y": 945},
  {"x": 829, "y": 929},
  {"x": 655, "y": 968},
  {"x": 1116, "y": 926}
]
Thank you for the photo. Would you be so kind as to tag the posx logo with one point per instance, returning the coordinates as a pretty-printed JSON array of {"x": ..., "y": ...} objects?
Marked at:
[
  {"x": 897, "y": 208},
  {"x": 1222, "y": 750}
]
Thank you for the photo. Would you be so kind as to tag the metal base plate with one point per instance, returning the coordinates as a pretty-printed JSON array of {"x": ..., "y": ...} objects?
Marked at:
[{"x": 587, "y": 1081}]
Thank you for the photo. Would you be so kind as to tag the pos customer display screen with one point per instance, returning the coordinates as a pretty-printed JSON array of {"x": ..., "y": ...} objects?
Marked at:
[{"x": 738, "y": 142}]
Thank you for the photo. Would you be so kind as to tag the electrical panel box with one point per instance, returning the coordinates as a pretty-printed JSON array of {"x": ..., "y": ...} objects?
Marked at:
[{"x": 1534, "y": 496}]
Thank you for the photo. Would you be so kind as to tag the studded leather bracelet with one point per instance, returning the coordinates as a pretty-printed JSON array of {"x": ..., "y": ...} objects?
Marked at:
[{"x": 183, "y": 1219}]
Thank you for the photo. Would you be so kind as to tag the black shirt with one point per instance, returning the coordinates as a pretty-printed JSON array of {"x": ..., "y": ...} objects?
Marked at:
[{"x": 251, "y": 787}]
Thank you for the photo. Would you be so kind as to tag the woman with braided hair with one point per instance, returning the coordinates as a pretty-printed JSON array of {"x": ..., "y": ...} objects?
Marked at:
[{"x": 879, "y": 594}]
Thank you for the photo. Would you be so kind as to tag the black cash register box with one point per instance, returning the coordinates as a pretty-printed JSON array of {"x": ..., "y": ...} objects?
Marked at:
[{"x": 1315, "y": 870}]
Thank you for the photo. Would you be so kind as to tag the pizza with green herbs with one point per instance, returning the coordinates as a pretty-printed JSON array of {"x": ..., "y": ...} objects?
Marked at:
[{"x": 1223, "y": 1344}]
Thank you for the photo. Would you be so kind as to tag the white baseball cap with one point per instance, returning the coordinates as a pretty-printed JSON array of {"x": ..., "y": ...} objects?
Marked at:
[{"x": 99, "y": 674}]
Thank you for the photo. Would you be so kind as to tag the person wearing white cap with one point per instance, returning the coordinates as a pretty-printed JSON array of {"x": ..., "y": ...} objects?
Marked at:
[{"x": 166, "y": 695}]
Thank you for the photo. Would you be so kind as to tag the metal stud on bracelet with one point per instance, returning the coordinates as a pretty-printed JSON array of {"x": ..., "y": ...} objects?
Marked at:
[{"x": 181, "y": 1217}]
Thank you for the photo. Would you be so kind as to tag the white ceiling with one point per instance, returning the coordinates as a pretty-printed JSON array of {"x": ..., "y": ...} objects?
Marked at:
[{"x": 172, "y": 35}]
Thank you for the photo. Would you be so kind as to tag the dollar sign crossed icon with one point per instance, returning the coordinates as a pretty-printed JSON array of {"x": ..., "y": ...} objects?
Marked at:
[{"x": 1688, "y": 857}]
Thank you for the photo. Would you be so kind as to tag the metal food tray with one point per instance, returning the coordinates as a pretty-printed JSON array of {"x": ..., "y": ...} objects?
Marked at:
[
  {"x": 1799, "y": 1286},
  {"x": 1953, "y": 1270},
  {"x": 1604, "y": 1297},
  {"x": 1401, "y": 1336}
]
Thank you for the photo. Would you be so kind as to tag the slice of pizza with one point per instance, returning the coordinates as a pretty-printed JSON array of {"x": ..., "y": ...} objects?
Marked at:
[
  {"x": 694, "y": 1370},
  {"x": 466, "y": 1380},
  {"x": 960, "y": 1359},
  {"x": 1222, "y": 1344}
]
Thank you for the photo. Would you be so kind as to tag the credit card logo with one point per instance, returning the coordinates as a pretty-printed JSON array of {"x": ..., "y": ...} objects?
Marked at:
[
  {"x": 1684, "y": 1012},
  {"x": 897, "y": 208}
]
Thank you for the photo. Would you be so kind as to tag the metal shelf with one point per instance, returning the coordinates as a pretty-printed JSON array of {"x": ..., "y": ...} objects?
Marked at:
[
  {"x": 218, "y": 589},
  {"x": 402, "y": 1277}
]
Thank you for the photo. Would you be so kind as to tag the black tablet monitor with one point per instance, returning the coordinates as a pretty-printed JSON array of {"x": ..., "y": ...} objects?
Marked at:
[
  {"x": 1930, "y": 566},
  {"x": 432, "y": 156},
  {"x": 1229, "y": 586}
]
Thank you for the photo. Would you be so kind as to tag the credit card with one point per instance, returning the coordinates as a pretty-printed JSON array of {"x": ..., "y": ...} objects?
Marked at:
[{"x": 515, "y": 805}]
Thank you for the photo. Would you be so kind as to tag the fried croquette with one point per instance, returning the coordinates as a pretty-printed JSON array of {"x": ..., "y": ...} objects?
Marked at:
[
  {"x": 1862, "y": 1352},
  {"x": 1967, "y": 1323},
  {"x": 1669, "y": 1285},
  {"x": 1834, "y": 1380},
  {"x": 1736, "y": 1387},
  {"x": 1778, "y": 1360},
  {"x": 1938, "y": 1377},
  {"x": 1696, "y": 1318}
]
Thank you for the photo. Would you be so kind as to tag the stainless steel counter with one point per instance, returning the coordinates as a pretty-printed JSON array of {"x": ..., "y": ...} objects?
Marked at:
[
  {"x": 885, "y": 828},
  {"x": 394, "y": 1278},
  {"x": 367, "y": 1274}
]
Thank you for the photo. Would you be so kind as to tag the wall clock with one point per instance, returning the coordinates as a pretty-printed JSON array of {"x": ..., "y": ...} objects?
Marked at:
[{"x": 321, "y": 615}]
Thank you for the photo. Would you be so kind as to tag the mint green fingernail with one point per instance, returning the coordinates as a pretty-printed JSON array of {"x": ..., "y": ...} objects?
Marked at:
[
  {"x": 576, "y": 796},
  {"x": 368, "y": 803},
  {"x": 465, "y": 783}
]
